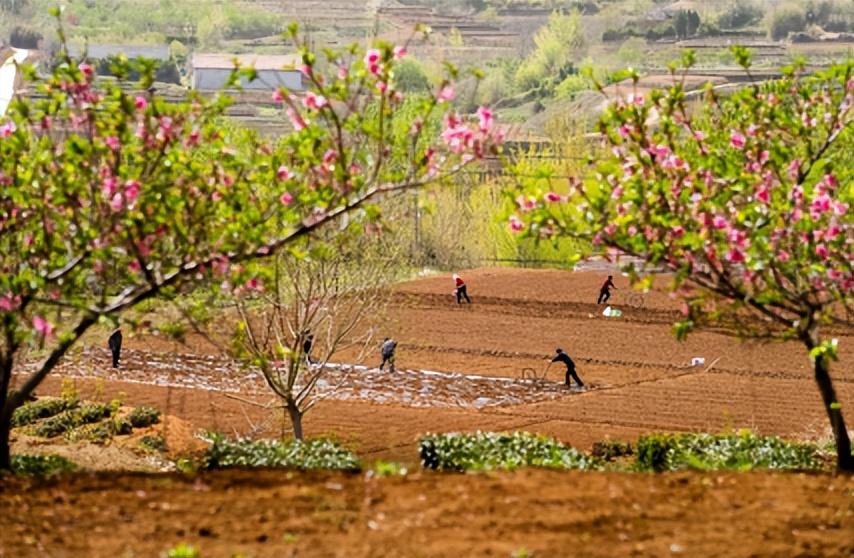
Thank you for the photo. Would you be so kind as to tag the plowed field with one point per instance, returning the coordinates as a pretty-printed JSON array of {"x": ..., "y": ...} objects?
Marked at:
[{"x": 460, "y": 369}]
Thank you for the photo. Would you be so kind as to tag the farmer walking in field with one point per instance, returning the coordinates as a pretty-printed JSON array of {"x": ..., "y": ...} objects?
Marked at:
[
  {"x": 460, "y": 291},
  {"x": 570, "y": 367},
  {"x": 115, "y": 343},
  {"x": 387, "y": 349},
  {"x": 306, "y": 346},
  {"x": 605, "y": 291}
]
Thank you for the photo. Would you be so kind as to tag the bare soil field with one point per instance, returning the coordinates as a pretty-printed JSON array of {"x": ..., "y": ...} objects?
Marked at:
[{"x": 460, "y": 369}]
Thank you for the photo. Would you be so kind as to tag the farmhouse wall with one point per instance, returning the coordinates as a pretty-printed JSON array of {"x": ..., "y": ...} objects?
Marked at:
[{"x": 215, "y": 78}]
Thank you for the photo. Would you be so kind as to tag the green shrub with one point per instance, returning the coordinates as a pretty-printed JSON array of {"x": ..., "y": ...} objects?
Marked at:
[
  {"x": 41, "y": 409},
  {"x": 41, "y": 465},
  {"x": 153, "y": 444},
  {"x": 741, "y": 14},
  {"x": 611, "y": 35},
  {"x": 788, "y": 19},
  {"x": 107, "y": 429},
  {"x": 317, "y": 453},
  {"x": 488, "y": 450},
  {"x": 68, "y": 420},
  {"x": 742, "y": 451},
  {"x": 608, "y": 450},
  {"x": 142, "y": 417}
]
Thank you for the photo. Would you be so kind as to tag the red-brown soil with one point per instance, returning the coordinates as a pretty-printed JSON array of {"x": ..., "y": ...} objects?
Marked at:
[
  {"x": 546, "y": 513},
  {"x": 640, "y": 379}
]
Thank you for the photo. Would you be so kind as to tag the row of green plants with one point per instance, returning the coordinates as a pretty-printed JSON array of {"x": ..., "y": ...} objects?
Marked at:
[
  {"x": 49, "y": 417},
  {"x": 316, "y": 453},
  {"x": 484, "y": 451}
]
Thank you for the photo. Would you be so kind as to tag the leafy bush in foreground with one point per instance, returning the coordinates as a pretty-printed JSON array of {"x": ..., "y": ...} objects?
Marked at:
[
  {"x": 41, "y": 465},
  {"x": 488, "y": 450},
  {"x": 142, "y": 417},
  {"x": 610, "y": 450},
  {"x": 40, "y": 409},
  {"x": 317, "y": 453},
  {"x": 743, "y": 451},
  {"x": 59, "y": 424},
  {"x": 108, "y": 429}
]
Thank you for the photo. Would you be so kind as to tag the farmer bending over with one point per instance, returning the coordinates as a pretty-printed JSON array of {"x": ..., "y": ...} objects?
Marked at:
[
  {"x": 461, "y": 289},
  {"x": 388, "y": 347},
  {"x": 570, "y": 367}
]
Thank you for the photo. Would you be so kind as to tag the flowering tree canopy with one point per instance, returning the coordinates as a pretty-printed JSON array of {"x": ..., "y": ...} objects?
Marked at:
[
  {"x": 745, "y": 197},
  {"x": 109, "y": 197}
]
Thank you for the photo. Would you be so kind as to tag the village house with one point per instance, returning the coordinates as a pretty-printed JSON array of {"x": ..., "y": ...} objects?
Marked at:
[
  {"x": 212, "y": 71},
  {"x": 132, "y": 52}
]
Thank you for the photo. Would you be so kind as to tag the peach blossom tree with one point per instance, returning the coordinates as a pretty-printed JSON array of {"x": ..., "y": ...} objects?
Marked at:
[
  {"x": 745, "y": 198},
  {"x": 110, "y": 196}
]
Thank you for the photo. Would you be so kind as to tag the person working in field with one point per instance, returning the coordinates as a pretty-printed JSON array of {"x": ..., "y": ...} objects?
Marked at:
[
  {"x": 387, "y": 349},
  {"x": 115, "y": 343},
  {"x": 570, "y": 368},
  {"x": 306, "y": 346},
  {"x": 460, "y": 286},
  {"x": 605, "y": 291}
]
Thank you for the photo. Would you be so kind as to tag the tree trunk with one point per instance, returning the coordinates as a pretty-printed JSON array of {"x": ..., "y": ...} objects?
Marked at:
[
  {"x": 844, "y": 459},
  {"x": 296, "y": 419},
  {"x": 5, "y": 452},
  {"x": 6, "y": 411}
]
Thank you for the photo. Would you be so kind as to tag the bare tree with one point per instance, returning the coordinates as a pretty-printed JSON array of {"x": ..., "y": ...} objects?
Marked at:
[{"x": 333, "y": 299}]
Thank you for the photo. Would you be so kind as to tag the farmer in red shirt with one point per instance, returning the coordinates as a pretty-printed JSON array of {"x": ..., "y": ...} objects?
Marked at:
[
  {"x": 605, "y": 291},
  {"x": 461, "y": 289}
]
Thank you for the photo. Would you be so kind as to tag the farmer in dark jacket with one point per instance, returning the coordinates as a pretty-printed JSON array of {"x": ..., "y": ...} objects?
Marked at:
[
  {"x": 115, "y": 343},
  {"x": 388, "y": 347},
  {"x": 570, "y": 367},
  {"x": 306, "y": 346}
]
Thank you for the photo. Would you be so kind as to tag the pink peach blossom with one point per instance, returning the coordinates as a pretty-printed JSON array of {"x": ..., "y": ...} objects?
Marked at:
[
  {"x": 284, "y": 173},
  {"x": 43, "y": 326},
  {"x": 132, "y": 188},
  {"x": 484, "y": 116},
  {"x": 314, "y": 101},
  {"x": 447, "y": 93}
]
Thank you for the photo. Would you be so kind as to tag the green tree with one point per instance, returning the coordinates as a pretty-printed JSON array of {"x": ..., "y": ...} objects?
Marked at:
[
  {"x": 411, "y": 77},
  {"x": 557, "y": 45},
  {"x": 740, "y": 14},
  {"x": 746, "y": 200},
  {"x": 790, "y": 18},
  {"x": 105, "y": 188}
]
